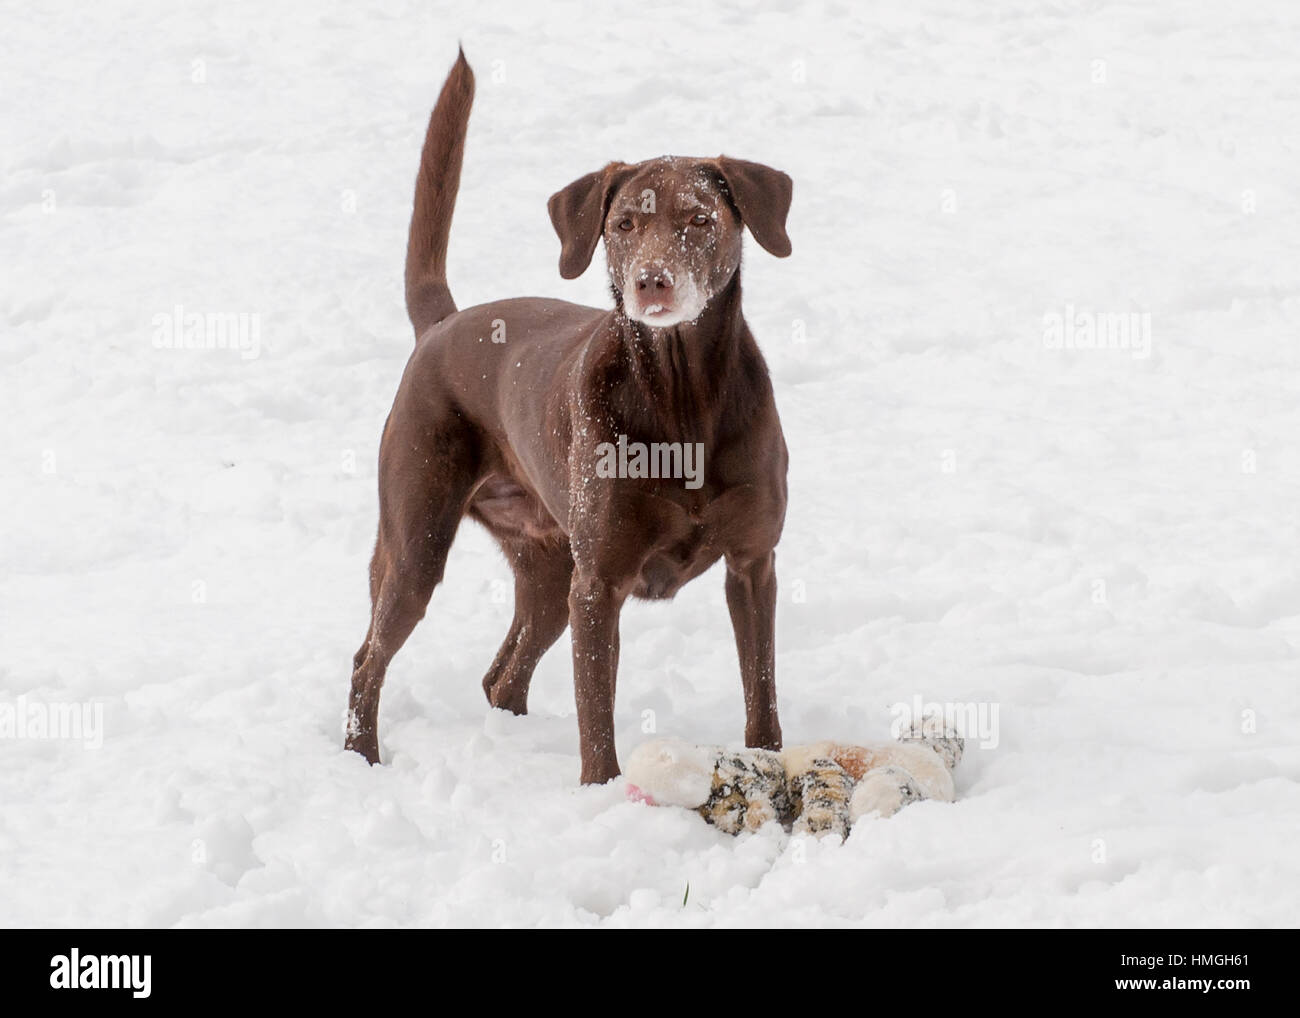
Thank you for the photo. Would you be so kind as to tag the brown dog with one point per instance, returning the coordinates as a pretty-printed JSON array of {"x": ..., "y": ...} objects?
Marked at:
[{"x": 549, "y": 423}]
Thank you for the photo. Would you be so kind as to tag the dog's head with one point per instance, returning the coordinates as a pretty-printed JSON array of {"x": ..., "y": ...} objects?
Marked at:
[{"x": 672, "y": 229}]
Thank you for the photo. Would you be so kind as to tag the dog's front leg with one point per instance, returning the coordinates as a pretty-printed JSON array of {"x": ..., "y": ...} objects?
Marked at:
[
  {"x": 751, "y": 599},
  {"x": 594, "y": 607}
]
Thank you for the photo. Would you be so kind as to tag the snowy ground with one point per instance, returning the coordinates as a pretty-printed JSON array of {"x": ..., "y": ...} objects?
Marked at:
[{"x": 1102, "y": 544}]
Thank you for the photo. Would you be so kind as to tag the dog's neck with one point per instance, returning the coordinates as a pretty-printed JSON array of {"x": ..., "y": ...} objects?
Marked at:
[{"x": 684, "y": 377}]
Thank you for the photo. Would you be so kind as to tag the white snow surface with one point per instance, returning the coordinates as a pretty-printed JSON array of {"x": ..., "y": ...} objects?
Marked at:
[{"x": 1104, "y": 545}]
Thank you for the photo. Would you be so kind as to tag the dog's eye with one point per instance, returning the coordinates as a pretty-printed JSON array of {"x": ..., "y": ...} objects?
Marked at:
[
  {"x": 699, "y": 219},
  {"x": 625, "y": 224}
]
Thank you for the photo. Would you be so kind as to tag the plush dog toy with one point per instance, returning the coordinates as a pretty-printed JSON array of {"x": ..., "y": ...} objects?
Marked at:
[{"x": 819, "y": 789}]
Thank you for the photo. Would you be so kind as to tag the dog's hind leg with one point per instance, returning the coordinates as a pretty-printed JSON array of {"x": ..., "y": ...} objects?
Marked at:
[
  {"x": 377, "y": 569},
  {"x": 543, "y": 570},
  {"x": 423, "y": 490}
]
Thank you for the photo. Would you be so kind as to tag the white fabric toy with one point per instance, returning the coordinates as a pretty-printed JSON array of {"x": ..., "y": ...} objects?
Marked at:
[{"x": 818, "y": 789}]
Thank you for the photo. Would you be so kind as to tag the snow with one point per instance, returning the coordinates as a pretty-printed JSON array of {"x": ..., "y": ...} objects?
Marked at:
[{"x": 1102, "y": 545}]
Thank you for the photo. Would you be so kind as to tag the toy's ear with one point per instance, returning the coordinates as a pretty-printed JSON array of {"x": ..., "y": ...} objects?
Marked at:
[
  {"x": 762, "y": 196},
  {"x": 578, "y": 215}
]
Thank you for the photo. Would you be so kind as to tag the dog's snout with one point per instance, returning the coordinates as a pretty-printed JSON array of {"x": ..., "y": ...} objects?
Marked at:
[
  {"x": 655, "y": 279},
  {"x": 661, "y": 296}
]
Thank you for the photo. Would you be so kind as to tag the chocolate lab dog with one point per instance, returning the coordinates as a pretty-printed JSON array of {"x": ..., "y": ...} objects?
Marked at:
[{"x": 510, "y": 413}]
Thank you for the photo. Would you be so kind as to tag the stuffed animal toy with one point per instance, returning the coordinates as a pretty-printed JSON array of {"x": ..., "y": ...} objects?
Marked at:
[{"x": 819, "y": 789}]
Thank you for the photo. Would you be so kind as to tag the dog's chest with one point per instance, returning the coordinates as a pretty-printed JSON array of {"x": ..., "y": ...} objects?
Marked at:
[{"x": 690, "y": 535}]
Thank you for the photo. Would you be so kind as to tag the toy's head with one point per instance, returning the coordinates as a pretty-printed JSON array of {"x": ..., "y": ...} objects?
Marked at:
[{"x": 670, "y": 772}]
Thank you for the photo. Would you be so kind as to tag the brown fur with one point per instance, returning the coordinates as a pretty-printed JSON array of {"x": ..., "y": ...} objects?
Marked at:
[
  {"x": 428, "y": 299},
  {"x": 508, "y": 433}
]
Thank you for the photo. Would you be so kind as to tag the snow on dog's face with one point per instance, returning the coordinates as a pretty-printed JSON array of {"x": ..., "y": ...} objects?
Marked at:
[
  {"x": 672, "y": 229},
  {"x": 673, "y": 242}
]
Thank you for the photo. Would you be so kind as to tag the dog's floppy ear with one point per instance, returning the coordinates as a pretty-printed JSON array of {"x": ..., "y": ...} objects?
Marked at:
[
  {"x": 762, "y": 196},
  {"x": 578, "y": 215}
]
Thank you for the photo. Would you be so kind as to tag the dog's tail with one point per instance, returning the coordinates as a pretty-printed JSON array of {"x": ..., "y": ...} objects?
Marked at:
[{"x": 428, "y": 299}]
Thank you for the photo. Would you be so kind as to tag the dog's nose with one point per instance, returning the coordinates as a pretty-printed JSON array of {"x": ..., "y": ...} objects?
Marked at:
[{"x": 654, "y": 279}]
